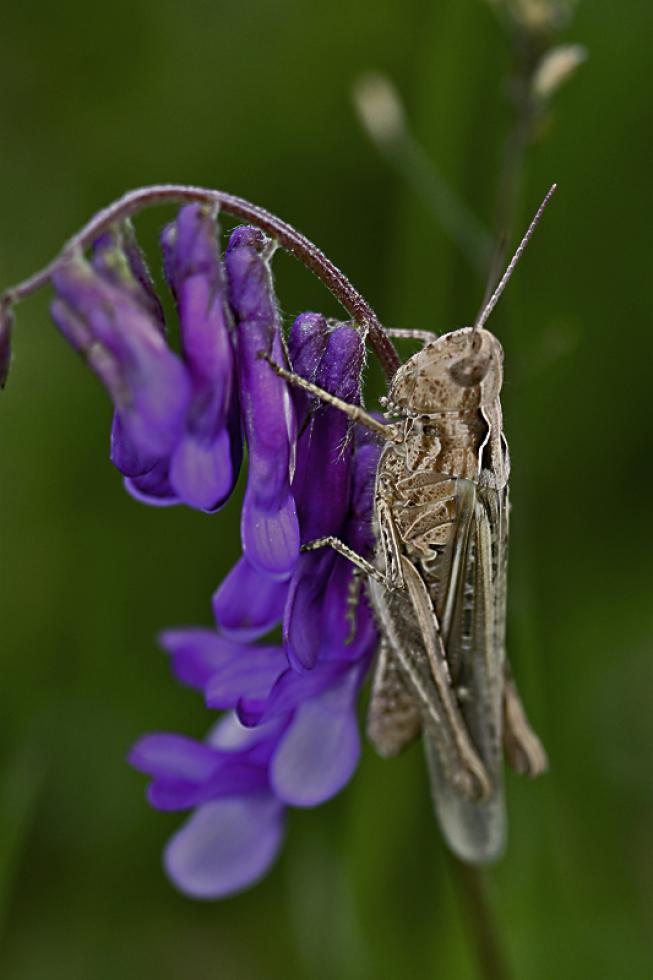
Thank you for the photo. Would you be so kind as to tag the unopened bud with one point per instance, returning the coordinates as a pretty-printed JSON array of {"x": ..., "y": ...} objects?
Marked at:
[
  {"x": 378, "y": 107},
  {"x": 117, "y": 257},
  {"x": 536, "y": 16}
]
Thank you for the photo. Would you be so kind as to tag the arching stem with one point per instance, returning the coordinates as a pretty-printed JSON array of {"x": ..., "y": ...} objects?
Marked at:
[{"x": 287, "y": 236}]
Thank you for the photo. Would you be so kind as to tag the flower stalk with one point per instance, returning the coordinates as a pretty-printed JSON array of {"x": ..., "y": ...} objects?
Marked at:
[{"x": 283, "y": 233}]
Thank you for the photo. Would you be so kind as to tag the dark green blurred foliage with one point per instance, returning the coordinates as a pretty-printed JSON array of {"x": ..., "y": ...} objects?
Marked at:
[{"x": 255, "y": 98}]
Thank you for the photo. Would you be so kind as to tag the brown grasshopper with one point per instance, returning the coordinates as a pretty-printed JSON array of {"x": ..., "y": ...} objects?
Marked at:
[{"x": 438, "y": 579}]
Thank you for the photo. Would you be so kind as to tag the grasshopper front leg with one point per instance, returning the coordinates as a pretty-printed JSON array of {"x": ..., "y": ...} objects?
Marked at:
[{"x": 388, "y": 433}]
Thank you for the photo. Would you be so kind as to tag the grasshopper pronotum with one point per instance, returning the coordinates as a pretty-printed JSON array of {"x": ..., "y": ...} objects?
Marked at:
[{"x": 438, "y": 579}]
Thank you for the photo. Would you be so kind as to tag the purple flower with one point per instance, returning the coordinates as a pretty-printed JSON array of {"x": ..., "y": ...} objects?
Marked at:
[
  {"x": 322, "y": 490},
  {"x": 205, "y": 463},
  {"x": 248, "y": 603},
  {"x": 306, "y": 342},
  {"x": 269, "y": 527},
  {"x": 236, "y": 829},
  {"x": 124, "y": 345}
]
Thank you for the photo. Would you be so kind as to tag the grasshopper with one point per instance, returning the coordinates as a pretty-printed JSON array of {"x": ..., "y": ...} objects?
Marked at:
[{"x": 437, "y": 581}]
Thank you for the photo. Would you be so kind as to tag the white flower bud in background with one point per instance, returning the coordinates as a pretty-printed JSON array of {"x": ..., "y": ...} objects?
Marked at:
[
  {"x": 536, "y": 16},
  {"x": 378, "y": 106},
  {"x": 555, "y": 68}
]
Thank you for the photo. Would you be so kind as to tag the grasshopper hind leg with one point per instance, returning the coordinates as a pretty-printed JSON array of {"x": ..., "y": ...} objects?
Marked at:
[{"x": 393, "y": 718}]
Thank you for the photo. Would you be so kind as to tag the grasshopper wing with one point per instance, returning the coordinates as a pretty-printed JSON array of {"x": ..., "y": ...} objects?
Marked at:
[{"x": 472, "y": 603}]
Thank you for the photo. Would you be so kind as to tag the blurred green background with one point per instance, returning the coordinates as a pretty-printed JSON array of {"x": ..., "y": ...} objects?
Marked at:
[{"x": 255, "y": 98}]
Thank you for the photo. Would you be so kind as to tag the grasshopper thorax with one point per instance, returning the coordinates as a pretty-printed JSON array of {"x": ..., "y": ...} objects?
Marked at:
[{"x": 461, "y": 371}]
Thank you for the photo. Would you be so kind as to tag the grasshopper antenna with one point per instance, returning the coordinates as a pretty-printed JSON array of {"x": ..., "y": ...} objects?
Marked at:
[{"x": 488, "y": 306}]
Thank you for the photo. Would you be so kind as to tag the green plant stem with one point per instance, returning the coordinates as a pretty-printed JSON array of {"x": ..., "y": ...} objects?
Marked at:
[
  {"x": 411, "y": 161},
  {"x": 481, "y": 923},
  {"x": 527, "y": 54}
]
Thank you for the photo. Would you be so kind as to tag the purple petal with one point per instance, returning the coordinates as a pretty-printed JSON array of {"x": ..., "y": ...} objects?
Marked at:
[
  {"x": 205, "y": 465},
  {"x": 270, "y": 538},
  {"x": 124, "y": 455},
  {"x": 118, "y": 258},
  {"x": 292, "y": 689},
  {"x": 187, "y": 773},
  {"x": 319, "y": 752},
  {"x": 153, "y": 487},
  {"x": 147, "y": 382},
  {"x": 339, "y": 640},
  {"x": 306, "y": 343},
  {"x": 202, "y": 472},
  {"x": 302, "y": 626},
  {"x": 77, "y": 332},
  {"x": 322, "y": 480},
  {"x": 175, "y": 794},
  {"x": 250, "y": 674},
  {"x": 232, "y": 777},
  {"x": 248, "y": 604},
  {"x": 197, "y": 653},
  {"x": 230, "y": 735},
  {"x": 201, "y": 297},
  {"x": 226, "y": 845},
  {"x": 173, "y": 756},
  {"x": 359, "y": 532}
]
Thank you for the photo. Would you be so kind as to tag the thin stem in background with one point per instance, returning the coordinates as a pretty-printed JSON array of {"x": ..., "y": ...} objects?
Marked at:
[
  {"x": 411, "y": 160},
  {"x": 481, "y": 924},
  {"x": 527, "y": 55},
  {"x": 380, "y": 109}
]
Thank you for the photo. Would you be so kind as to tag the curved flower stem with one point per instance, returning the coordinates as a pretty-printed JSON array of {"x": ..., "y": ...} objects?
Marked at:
[
  {"x": 484, "y": 935},
  {"x": 287, "y": 236}
]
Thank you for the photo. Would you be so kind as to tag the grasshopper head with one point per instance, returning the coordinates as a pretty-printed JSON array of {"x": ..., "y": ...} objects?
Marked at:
[{"x": 459, "y": 371}]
